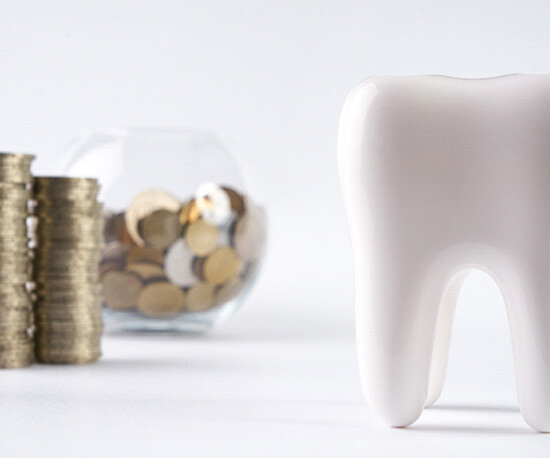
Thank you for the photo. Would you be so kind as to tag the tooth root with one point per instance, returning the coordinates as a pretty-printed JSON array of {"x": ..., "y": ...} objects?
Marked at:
[
  {"x": 443, "y": 337},
  {"x": 395, "y": 330},
  {"x": 529, "y": 316}
]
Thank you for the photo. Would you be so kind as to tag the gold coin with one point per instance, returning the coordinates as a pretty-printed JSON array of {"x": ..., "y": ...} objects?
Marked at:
[
  {"x": 107, "y": 266},
  {"x": 10, "y": 257},
  {"x": 7, "y": 270},
  {"x": 114, "y": 251},
  {"x": 90, "y": 276},
  {"x": 229, "y": 291},
  {"x": 70, "y": 223},
  {"x": 49, "y": 240},
  {"x": 70, "y": 244},
  {"x": 68, "y": 340},
  {"x": 190, "y": 213},
  {"x": 50, "y": 357},
  {"x": 84, "y": 222},
  {"x": 160, "y": 299},
  {"x": 19, "y": 277},
  {"x": 16, "y": 187},
  {"x": 54, "y": 258},
  {"x": 14, "y": 233},
  {"x": 146, "y": 254},
  {"x": 160, "y": 228},
  {"x": 61, "y": 184},
  {"x": 16, "y": 158},
  {"x": 222, "y": 265},
  {"x": 115, "y": 229},
  {"x": 13, "y": 207},
  {"x": 15, "y": 175},
  {"x": 75, "y": 347},
  {"x": 15, "y": 341},
  {"x": 200, "y": 297},
  {"x": 75, "y": 208},
  {"x": 15, "y": 315},
  {"x": 53, "y": 328},
  {"x": 66, "y": 285},
  {"x": 198, "y": 267},
  {"x": 17, "y": 197},
  {"x": 50, "y": 316},
  {"x": 146, "y": 270},
  {"x": 16, "y": 307},
  {"x": 45, "y": 238},
  {"x": 202, "y": 237},
  {"x": 75, "y": 312},
  {"x": 146, "y": 203},
  {"x": 18, "y": 362},
  {"x": 80, "y": 295},
  {"x": 16, "y": 345},
  {"x": 55, "y": 253},
  {"x": 11, "y": 290},
  {"x": 121, "y": 289},
  {"x": 67, "y": 343},
  {"x": 236, "y": 200},
  {"x": 66, "y": 196}
]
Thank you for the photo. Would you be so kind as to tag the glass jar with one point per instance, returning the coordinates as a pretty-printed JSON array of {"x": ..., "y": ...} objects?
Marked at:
[{"x": 184, "y": 240}]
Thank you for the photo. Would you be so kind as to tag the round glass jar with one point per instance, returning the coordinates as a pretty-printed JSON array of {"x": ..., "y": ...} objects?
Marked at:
[{"x": 183, "y": 238}]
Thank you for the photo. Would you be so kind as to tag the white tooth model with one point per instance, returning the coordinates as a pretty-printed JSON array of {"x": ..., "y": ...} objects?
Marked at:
[{"x": 440, "y": 175}]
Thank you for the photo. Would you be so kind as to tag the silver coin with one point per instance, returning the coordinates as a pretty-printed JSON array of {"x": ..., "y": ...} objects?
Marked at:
[{"x": 178, "y": 264}]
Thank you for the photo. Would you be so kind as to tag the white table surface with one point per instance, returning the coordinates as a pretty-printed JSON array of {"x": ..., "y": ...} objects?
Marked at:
[{"x": 264, "y": 385}]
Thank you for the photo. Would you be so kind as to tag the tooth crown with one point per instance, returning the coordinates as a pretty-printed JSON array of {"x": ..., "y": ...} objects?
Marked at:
[{"x": 442, "y": 174}]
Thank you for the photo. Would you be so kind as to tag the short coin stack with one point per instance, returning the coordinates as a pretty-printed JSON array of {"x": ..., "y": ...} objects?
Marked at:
[
  {"x": 16, "y": 346},
  {"x": 70, "y": 239}
]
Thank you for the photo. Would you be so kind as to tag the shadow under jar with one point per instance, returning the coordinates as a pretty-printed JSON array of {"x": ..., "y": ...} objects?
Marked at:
[{"x": 183, "y": 238}]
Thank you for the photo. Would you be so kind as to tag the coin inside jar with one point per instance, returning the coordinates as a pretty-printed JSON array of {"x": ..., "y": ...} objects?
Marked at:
[
  {"x": 190, "y": 213},
  {"x": 214, "y": 203},
  {"x": 109, "y": 265},
  {"x": 229, "y": 290},
  {"x": 200, "y": 297},
  {"x": 160, "y": 228},
  {"x": 114, "y": 227},
  {"x": 160, "y": 299},
  {"x": 147, "y": 254},
  {"x": 146, "y": 203},
  {"x": 222, "y": 265},
  {"x": 235, "y": 200},
  {"x": 146, "y": 270},
  {"x": 198, "y": 267},
  {"x": 202, "y": 237},
  {"x": 121, "y": 289}
]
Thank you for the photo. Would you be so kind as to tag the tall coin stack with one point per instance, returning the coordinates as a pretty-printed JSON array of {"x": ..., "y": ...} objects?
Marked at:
[
  {"x": 68, "y": 294},
  {"x": 16, "y": 346}
]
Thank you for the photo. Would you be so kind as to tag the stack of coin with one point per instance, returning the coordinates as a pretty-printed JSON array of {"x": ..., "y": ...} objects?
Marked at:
[
  {"x": 68, "y": 294},
  {"x": 166, "y": 257},
  {"x": 16, "y": 346}
]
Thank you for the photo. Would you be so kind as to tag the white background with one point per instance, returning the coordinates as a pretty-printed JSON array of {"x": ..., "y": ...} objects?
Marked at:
[{"x": 269, "y": 78}]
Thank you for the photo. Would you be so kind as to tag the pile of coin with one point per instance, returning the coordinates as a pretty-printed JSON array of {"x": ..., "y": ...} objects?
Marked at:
[
  {"x": 16, "y": 346},
  {"x": 68, "y": 294},
  {"x": 166, "y": 257}
]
